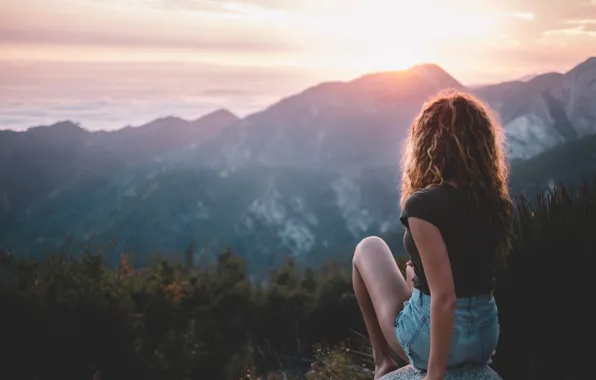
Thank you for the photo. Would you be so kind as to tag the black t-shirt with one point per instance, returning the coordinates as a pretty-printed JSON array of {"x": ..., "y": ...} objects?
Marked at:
[{"x": 468, "y": 242}]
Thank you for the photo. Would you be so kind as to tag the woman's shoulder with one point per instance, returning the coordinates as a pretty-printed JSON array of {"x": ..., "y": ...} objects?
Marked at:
[
  {"x": 428, "y": 204},
  {"x": 440, "y": 189},
  {"x": 431, "y": 193}
]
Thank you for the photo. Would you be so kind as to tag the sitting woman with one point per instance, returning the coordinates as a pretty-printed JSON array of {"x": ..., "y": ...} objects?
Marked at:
[{"x": 457, "y": 214}]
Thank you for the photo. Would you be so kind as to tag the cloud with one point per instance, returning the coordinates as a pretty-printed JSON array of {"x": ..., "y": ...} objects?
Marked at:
[
  {"x": 240, "y": 26},
  {"x": 527, "y": 16},
  {"x": 227, "y": 6},
  {"x": 108, "y": 96},
  {"x": 306, "y": 33},
  {"x": 106, "y": 113},
  {"x": 114, "y": 38},
  {"x": 256, "y": 9},
  {"x": 571, "y": 32},
  {"x": 583, "y": 27},
  {"x": 583, "y": 21}
]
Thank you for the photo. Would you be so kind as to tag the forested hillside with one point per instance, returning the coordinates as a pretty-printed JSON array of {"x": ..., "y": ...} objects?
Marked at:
[{"x": 76, "y": 319}]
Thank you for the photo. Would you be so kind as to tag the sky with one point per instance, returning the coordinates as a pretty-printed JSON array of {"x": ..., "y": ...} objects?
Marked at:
[{"x": 110, "y": 63}]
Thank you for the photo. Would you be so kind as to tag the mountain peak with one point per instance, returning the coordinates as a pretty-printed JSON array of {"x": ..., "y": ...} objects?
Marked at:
[
  {"x": 221, "y": 117},
  {"x": 423, "y": 68},
  {"x": 164, "y": 122},
  {"x": 426, "y": 78},
  {"x": 546, "y": 79},
  {"x": 588, "y": 64},
  {"x": 65, "y": 126},
  {"x": 221, "y": 113},
  {"x": 166, "y": 119},
  {"x": 590, "y": 61},
  {"x": 428, "y": 66}
]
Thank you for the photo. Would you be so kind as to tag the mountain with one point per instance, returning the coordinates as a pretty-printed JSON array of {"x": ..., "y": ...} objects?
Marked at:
[
  {"x": 332, "y": 126},
  {"x": 547, "y": 110},
  {"x": 566, "y": 164},
  {"x": 42, "y": 161},
  {"x": 36, "y": 163},
  {"x": 163, "y": 136},
  {"x": 308, "y": 176},
  {"x": 262, "y": 214}
]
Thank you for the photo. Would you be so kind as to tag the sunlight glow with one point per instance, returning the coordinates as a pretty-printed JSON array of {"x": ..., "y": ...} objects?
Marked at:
[
  {"x": 395, "y": 34},
  {"x": 350, "y": 37},
  {"x": 107, "y": 53}
]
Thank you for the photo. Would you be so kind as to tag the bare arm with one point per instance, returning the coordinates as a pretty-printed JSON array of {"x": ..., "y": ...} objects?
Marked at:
[
  {"x": 410, "y": 275},
  {"x": 437, "y": 269}
]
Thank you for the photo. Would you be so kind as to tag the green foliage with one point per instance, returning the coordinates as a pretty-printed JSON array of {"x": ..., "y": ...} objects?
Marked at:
[
  {"x": 76, "y": 318},
  {"x": 341, "y": 362},
  {"x": 544, "y": 295}
]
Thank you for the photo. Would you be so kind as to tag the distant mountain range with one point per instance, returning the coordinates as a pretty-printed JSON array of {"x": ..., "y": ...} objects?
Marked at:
[
  {"x": 308, "y": 176},
  {"x": 546, "y": 110}
]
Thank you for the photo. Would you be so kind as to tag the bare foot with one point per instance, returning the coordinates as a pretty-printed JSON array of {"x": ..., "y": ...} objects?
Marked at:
[{"x": 384, "y": 366}]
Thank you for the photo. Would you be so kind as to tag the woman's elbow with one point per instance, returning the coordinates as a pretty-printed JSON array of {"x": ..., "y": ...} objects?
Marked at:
[{"x": 445, "y": 300}]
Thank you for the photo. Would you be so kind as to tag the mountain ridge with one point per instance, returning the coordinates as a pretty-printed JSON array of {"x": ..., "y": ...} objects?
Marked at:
[
  {"x": 422, "y": 69},
  {"x": 317, "y": 125},
  {"x": 220, "y": 113},
  {"x": 309, "y": 175}
]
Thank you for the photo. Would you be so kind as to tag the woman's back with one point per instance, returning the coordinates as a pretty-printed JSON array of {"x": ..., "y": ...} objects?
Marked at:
[
  {"x": 457, "y": 228},
  {"x": 468, "y": 241}
]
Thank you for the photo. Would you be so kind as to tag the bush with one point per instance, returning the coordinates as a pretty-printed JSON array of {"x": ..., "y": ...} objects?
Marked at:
[
  {"x": 76, "y": 319},
  {"x": 71, "y": 317},
  {"x": 544, "y": 294}
]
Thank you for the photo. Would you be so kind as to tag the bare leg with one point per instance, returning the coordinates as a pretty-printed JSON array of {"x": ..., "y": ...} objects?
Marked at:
[{"x": 381, "y": 291}]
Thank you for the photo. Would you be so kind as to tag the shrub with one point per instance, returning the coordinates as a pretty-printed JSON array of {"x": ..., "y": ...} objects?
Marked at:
[
  {"x": 74, "y": 318},
  {"x": 544, "y": 294}
]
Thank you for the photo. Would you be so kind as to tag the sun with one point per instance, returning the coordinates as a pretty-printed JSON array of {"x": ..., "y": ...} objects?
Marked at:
[{"x": 379, "y": 35}]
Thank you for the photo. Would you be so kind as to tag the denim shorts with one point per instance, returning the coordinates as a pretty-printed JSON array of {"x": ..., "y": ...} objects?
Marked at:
[{"x": 475, "y": 334}]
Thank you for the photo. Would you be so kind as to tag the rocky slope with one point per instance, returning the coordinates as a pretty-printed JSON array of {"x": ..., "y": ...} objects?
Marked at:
[
  {"x": 263, "y": 214},
  {"x": 546, "y": 110},
  {"x": 309, "y": 176},
  {"x": 566, "y": 164}
]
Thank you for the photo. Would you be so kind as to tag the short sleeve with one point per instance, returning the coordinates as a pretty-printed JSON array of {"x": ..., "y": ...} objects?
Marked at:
[{"x": 419, "y": 206}]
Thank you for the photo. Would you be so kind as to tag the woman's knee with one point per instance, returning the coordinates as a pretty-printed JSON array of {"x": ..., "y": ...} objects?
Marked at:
[{"x": 367, "y": 246}]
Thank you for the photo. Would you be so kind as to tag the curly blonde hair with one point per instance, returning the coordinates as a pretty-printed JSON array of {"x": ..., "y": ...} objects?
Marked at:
[{"x": 456, "y": 138}]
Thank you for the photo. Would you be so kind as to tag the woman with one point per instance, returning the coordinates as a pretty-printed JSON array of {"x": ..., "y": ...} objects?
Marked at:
[{"x": 457, "y": 213}]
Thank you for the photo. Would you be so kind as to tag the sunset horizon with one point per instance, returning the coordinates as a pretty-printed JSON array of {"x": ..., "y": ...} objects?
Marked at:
[{"x": 112, "y": 63}]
